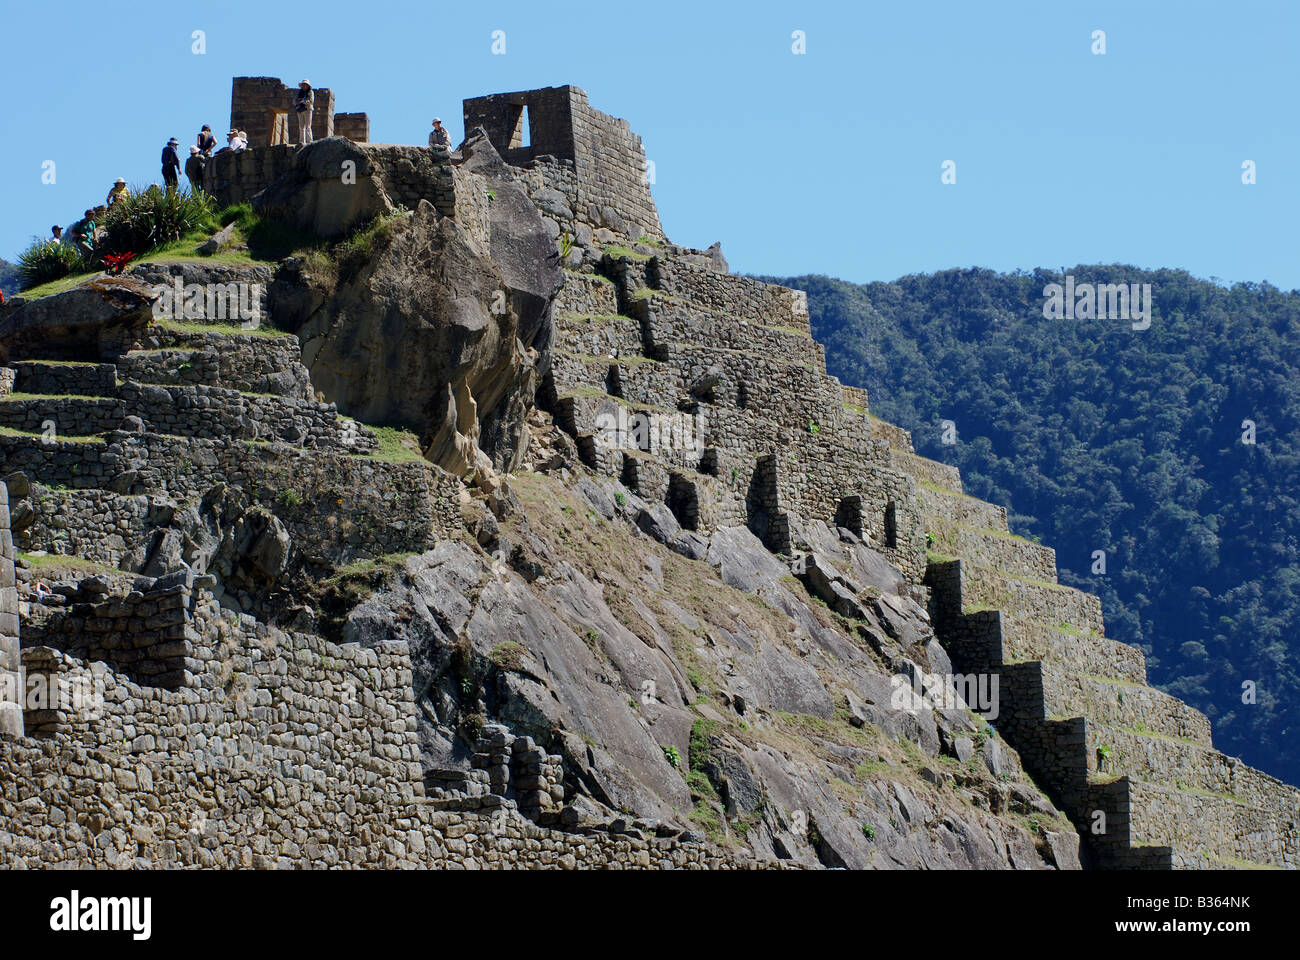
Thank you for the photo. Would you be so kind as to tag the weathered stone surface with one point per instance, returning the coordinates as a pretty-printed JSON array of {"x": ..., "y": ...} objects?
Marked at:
[
  {"x": 330, "y": 190},
  {"x": 98, "y": 320},
  {"x": 414, "y": 339}
]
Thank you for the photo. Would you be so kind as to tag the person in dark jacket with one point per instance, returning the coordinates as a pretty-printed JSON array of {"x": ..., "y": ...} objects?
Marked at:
[
  {"x": 171, "y": 164},
  {"x": 194, "y": 169},
  {"x": 207, "y": 142}
]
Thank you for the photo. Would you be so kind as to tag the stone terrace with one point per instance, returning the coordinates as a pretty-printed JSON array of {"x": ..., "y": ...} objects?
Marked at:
[
  {"x": 745, "y": 425},
  {"x": 1076, "y": 705}
]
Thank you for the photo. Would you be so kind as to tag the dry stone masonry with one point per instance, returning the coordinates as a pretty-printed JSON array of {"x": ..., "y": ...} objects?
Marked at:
[{"x": 188, "y": 680}]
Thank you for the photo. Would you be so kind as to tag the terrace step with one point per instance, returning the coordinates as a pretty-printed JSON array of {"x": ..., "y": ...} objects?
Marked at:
[
  {"x": 59, "y": 378},
  {"x": 994, "y": 548},
  {"x": 1204, "y": 828},
  {"x": 1120, "y": 704},
  {"x": 586, "y": 293},
  {"x": 1045, "y": 602},
  {"x": 189, "y": 411},
  {"x": 894, "y": 435},
  {"x": 261, "y": 365},
  {"x": 598, "y": 335},
  {"x": 952, "y": 507},
  {"x": 668, "y": 320},
  {"x": 744, "y": 297},
  {"x": 1024, "y": 640},
  {"x": 924, "y": 470}
]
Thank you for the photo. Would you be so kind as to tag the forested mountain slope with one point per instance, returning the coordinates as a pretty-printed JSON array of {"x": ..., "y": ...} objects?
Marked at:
[{"x": 1102, "y": 437}]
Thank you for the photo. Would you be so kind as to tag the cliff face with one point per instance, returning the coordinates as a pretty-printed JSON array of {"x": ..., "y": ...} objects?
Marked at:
[{"x": 678, "y": 611}]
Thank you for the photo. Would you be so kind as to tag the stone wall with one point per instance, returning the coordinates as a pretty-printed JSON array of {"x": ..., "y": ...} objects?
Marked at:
[
  {"x": 148, "y": 633},
  {"x": 233, "y": 178},
  {"x": 388, "y": 507},
  {"x": 192, "y": 411},
  {"x": 408, "y": 174},
  {"x": 11, "y": 716},
  {"x": 263, "y": 108},
  {"x": 594, "y": 161},
  {"x": 354, "y": 126},
  {"x": 280, "y": 749}
]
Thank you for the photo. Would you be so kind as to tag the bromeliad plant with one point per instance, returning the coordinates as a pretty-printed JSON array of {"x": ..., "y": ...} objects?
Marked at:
[{"x": 115, "y": 263}]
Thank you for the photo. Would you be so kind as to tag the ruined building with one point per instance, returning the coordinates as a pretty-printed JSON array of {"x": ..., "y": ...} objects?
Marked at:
[{"x": 660, "y": 576}]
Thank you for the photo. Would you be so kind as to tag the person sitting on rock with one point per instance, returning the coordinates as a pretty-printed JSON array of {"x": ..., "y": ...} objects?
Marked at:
[
  {"x": 194, "y": 169},
  {"x": 438, "y": 136},
  {"x": 234, "y": 143},
  {"x": 83, "y": 234},
  {"x": 118, "y": 192},
  {"x": 206, "y": 142},
  {"x": 304, "y": 104}
]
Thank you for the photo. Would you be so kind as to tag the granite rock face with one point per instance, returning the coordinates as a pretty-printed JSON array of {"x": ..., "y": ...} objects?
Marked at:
[
  {"x": 330, "y": 190},
  {"x": 424, "y": 335},
  {"x": 553, "y": 661}
]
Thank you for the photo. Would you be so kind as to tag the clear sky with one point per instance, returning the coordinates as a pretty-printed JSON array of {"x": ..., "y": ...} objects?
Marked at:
[{"x": 828, "y": 161}]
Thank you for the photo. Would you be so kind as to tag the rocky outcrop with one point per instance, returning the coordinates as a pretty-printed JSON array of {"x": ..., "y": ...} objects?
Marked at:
[
  {"x": 98, "y": 320},
  {"x": 683, "y": 712},
  {"x": 424, "y": 335},
  {"x": 331, "y": 189},
  {"x": 521, "y": 244}
]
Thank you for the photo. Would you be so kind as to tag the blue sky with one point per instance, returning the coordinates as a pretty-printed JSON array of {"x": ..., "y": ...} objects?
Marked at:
[{"x": 825, "y": 162}]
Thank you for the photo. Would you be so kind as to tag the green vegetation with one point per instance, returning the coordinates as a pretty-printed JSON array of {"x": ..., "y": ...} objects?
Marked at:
[
  {"x": 508, "y": 655},
  {"x": 1097, "y": 436},
  {"x": 147, "y": 219},
  {"x": 617, "y": 252},
  {"x": 46, "y": 261},
  {"x": 700, "y": 751},
  {"x": 356, "y": 250},
  {"x": 672, "y": 756},
  {"x": 396, "y": 445}
]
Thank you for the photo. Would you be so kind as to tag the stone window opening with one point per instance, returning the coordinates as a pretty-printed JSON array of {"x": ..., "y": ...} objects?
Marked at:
[
  {"x": 709, "y": 462},
  {"x": 520, "y": 127},
  {"x": 683, "y": 500},
  {"x": 891, "y": 525}
]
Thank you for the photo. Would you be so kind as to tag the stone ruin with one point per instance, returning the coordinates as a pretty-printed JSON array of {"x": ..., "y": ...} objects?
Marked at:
[
  {"x": 263, "y": 108},
  {"x": 701, "y": 392}
]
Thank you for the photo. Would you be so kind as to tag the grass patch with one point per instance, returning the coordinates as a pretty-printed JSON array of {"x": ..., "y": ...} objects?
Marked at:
[
  {"x": 68, "y": 438},
  {"x": 57, "y": 563},
  {"x": 396, "y": 445},
  {"x": 620, "y": 252},
  {"x": 225, "y": 329},
  {"x": 508, "y": 655}
]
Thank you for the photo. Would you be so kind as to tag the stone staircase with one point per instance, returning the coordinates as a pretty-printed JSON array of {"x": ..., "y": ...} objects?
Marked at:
[{"x": 1134, "y": 768}]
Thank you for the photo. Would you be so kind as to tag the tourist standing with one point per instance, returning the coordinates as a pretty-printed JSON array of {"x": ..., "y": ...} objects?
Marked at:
[
  {"x": 194, "y": 169},
  {"x": 171, "y": 164},
  {"x": 206, "y": 142},
  {"x": 118, "y": 192},
  {"x": 304, "y": 105}
]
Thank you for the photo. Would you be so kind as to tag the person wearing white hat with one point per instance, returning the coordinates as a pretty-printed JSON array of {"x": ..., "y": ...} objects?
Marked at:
[
  {"x": 171, "y": 164},
  {"x": 118, "y": 192},
  {"x": 438, "y": 136},
  {"x": 194, "y": 169},
  {"x": 304, "y": 104}
]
